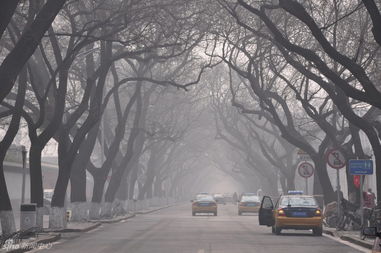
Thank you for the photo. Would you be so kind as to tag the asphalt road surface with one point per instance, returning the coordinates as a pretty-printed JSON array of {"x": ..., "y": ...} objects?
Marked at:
[{"x": 174, "y": 230}]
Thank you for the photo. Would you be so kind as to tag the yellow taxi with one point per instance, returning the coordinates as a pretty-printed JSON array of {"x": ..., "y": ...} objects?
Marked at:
[
  {"x": 292, "y": 211},
  {"x": 204, "y": 204},
  {"x": 248, "y": 204}
]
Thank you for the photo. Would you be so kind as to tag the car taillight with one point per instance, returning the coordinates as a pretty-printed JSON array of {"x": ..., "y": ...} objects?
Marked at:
[
  {"x": 281, "y": 212},
  {"x": 318, "y": 212}
]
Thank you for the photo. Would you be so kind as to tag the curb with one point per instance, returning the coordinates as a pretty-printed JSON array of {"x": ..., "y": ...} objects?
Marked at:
[
  {"x": 328, "y": 232},
  {"x": 356, "y": 241},
  {"x": 68, "y": 230},
  {"x": 71, "y": 230},
  {"x": 114, "y": 220},
  {"x": 153, "y": 210},
  {"x": 53, "y": 238}
]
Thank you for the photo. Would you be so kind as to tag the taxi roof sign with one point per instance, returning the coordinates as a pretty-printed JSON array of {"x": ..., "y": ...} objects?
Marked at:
[{"x": 294, "y": 192}]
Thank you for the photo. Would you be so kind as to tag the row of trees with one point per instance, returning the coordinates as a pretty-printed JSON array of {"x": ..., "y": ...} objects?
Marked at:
[
  {"x": 302, "y": 72},
  {"x": 99, "y": 78}
]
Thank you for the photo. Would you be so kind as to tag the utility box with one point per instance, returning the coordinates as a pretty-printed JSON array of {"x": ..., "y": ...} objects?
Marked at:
[{"x": 27, "y": 216}]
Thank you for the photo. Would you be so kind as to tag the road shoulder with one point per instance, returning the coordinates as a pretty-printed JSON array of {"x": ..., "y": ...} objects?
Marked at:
[{"x": 350, "y": 238}]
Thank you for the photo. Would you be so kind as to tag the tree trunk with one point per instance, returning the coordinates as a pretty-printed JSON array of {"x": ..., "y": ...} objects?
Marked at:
[
  {"x": 99, "y": 182},
  {"x": 147, "y": 187},
  {"x": 36, "y": 184},
  {"x": 6, "y": 214},
  {"x": 122, "y": 193},
  {"x": 78, "y": 170},
  {"x": 78, "y": 183},
  {"x": 113, "y": 186},
  {"x": 133, "y": 179},
  {"x": 325, "y": 182},
  {"x": 283, "y": 183},
  {"x": 158, "y": 189},
  {"x": 78, "y": 179},
  {"x": 8, "y": 7},
  {"x": 318, "y": 191}
]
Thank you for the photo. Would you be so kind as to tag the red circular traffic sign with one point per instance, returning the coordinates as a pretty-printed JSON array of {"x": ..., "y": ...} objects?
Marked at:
[
  {"x": 306, "y": 169},
  {"x": 336, "y": 159}
]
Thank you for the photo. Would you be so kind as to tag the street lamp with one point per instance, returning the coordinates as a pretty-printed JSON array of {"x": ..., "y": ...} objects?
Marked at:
[{"x": 23, "y": 153}]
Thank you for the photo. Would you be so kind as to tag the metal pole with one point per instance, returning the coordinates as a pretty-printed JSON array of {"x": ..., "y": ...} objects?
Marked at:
[
  {"x": 361, "y": 200},
  {"x": 338, "y": 197},
  {"x": 23, "y": 153},
  {"x": 102, "y": 141},
  {"x": 307, "y": 185}
]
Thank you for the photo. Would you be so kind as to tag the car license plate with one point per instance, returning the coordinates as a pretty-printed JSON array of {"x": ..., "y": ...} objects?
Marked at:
[
  {"x": 252, "y": 204},
  {"x": 204, "y": 204},
  {"x": 299, "y": 214}
]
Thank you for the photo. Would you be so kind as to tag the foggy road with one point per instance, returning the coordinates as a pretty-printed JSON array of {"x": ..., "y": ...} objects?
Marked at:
[{"x": 174, "y": 230}]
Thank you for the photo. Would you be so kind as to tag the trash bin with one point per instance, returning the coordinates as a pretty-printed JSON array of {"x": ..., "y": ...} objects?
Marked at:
[{"x": 27, "y": 216}]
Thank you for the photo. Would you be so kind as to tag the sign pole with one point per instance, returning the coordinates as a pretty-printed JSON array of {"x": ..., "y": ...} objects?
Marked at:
[
  {"x": 306, "y": 185},
  {"x": 362, "y": 199},
  {"x": 338, "y": 198}
]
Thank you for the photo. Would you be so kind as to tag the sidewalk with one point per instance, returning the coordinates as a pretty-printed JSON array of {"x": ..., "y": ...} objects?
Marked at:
[
  {"x": 48, "y": 236},
  {"x": 350, "y": 236}
]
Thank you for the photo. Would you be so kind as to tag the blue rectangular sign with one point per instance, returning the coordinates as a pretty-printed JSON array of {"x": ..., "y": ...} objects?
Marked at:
[{"x": 361, "y": 167}]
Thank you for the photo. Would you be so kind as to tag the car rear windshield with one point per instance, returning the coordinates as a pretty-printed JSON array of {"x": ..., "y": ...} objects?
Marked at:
[
  {"x": 298, "y": 201},
  {"x": 250, "y": 198},
  {"x": 198, "y": 196},
  {"x": 206, "y": 198}
]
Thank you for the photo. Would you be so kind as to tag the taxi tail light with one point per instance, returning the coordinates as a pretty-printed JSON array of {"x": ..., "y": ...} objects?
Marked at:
[
  {"x": 281, "y": 212},
  {"x": 318, "y": 212}
]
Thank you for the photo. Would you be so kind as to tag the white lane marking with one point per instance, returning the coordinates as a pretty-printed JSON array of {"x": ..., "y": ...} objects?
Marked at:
[
  {"x": 201, "y": 251},
  {"x": 357, "y": 247}
]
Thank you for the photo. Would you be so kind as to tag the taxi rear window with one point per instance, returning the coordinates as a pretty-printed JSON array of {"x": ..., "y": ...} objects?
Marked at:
[
  {"x": 298, "y": 201},
  {"x": 250, "y": 198},
  {"x": 205, "y": 198}
]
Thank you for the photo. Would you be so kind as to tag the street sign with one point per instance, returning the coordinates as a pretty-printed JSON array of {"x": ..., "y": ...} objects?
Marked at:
[
  {"x": 361, "y": 167},
  {"x": 306, "y": 169},
  {"x": 335, "y": 159},
  {"x": 303, "y": 156},
  {"x": 301, "y": 152}
]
